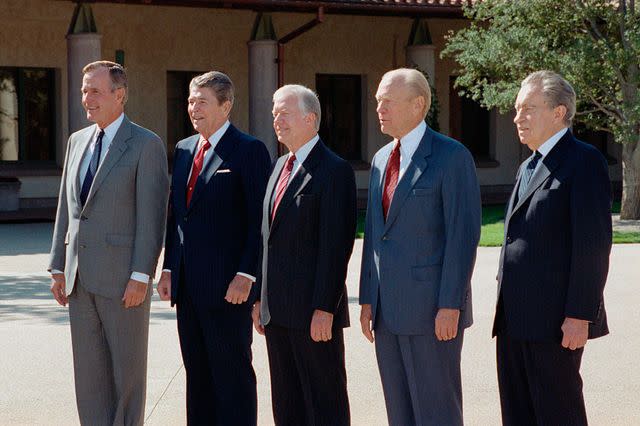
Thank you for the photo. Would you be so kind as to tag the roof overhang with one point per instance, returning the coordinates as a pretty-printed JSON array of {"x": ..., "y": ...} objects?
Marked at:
[{"x": 407, "y": 8}]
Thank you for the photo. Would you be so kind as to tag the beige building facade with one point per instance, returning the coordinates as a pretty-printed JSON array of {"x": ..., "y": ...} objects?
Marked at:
[{"x": 162, "y": 46}]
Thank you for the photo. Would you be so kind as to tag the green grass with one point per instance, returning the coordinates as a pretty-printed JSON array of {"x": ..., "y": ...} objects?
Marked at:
[{"x": 492, "y": 231}]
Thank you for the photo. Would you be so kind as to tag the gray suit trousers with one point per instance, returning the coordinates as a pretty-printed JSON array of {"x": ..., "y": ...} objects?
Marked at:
[
  {"x": 420, "y": 376},
  {"x": 109, "y": 357}
]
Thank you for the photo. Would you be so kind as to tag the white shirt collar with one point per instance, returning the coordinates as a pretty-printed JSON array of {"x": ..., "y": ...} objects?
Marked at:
[
  {"x": 217, "y": 135},
  {"x": 303, "y": 152},
  {"x": 409, "y": 142},
  {"x": 546, "y": 147},
  {"x": 111, "y": 130}
]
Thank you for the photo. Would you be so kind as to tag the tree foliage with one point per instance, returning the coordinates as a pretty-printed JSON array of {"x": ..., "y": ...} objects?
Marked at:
[{"x": 595, "y": 44}]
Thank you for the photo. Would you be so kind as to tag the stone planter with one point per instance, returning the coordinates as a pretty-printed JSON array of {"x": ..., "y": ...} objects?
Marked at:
[{"x": 9, "y": 194}]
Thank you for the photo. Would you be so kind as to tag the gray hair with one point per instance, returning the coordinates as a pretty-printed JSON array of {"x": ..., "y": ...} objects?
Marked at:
[
  {"x": 308, "y": 101},
  {"x": 116, "y": 72},
  {"x": 556, "y": 91},
  {"x": 217, "y": 81},
  {"x": 415, "y": 81}
]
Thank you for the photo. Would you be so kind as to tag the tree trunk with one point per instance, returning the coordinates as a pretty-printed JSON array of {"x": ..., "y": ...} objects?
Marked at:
[{"x": 630, "y": 208}]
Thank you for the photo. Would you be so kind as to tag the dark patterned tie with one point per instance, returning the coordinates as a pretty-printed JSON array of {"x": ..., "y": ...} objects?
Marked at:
[
  {"x": 93, "y": 168},
  {"x": 527, "y": 173},
  {"x": 391, "y": 179},
  {"x": 282, "y": 184}
]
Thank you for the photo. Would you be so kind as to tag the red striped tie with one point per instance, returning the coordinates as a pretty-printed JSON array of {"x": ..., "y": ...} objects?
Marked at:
[
  {"x": 282, "y": 183},
  {"x": 391, "y": 179},
  {"x": 197, "y": 168}
]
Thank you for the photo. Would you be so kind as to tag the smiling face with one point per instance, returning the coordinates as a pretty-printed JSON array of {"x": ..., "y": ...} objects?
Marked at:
[
  {"x": 206, "y": 113},
  {"x": 399, "y": 110},
  {"x": 293, "y": 127},
  {"x": 102, "y": 103},
  {"x": 536, "y": 120}
]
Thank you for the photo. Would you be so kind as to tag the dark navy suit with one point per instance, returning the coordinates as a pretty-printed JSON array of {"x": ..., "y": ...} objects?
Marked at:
[
  {"x": 553, "y": 265},
  {"x": 207, "y": 243}
]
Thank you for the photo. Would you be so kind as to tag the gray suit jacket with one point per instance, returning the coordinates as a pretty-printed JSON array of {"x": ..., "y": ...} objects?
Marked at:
[
  {"x": 422, "y": 258},
  {"x": 121, "y": 227}
]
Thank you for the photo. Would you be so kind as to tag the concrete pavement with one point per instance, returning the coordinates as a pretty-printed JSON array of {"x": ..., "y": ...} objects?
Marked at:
[{"x": 36, "y": 375}]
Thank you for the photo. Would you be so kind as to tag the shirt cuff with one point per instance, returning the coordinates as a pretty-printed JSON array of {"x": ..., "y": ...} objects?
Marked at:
[
  {"x": 166, "y": 270},
  {"x": 139, "y": 276},
  {"x": 251, "y": 277},
  {"x": 55, "y": 271}
]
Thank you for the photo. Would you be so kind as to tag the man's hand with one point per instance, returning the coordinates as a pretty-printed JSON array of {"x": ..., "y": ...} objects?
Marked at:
[
  {"x": 134, "y": 294},
  {"x": 366, "y": 321},
  {"x": 321, "y": 323},
  {"x": 447, "y": 323},
  {"x": 239, "y": 289},
  {"x": 58, "y": 289},
  {"x": 575, "y": 333},
  {"x": 255, "y": 315},
  {"x": 164, "y": 285}
]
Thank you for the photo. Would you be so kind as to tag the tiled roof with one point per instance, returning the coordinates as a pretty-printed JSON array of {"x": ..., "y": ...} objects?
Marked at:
[{"x": 445, "y": 8}]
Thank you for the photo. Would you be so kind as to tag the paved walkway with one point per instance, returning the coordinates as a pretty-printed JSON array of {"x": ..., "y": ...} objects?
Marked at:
[{"x": 36, "y": 378}]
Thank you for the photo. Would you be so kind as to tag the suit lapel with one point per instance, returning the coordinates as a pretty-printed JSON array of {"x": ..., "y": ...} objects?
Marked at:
[
  {"x": 300, "y": 180},
  {"x": 222, "y": 152},
  {"x": 79, "y": 153},
  {"x": 117, "y": 148},
  {"x": 548, "y": 164},
  {"x": 415, "y": 169},
  {"x": 271, "y": 186},
  {"x": 182, "y": 169}
]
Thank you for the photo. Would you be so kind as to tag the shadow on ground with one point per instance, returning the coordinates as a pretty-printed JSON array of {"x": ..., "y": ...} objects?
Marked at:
[{"x": 27, "y": 297}]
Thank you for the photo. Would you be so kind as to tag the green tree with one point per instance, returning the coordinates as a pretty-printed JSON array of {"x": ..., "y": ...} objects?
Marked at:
[{"x": 594, "y": 44}]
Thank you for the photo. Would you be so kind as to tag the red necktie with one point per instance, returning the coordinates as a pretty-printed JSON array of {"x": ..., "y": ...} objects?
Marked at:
[
  {"x": 282, "y": 183},
  {"x": 197, "y": 168},
  {"x": 391, "y": 179}
]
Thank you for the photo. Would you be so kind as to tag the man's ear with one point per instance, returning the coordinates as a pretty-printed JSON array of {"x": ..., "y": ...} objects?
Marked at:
[
  {"x": 226, "y": 107},
  {"x": 560, "y": 112}
]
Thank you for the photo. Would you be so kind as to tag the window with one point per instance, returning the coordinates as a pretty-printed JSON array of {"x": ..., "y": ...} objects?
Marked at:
[
  {"x": 341, "y": 109},
  {"x": 27, "y": 114},
  {"x": 178, "y": 122},
  {"x": 469, "y": 123},
  {"x": 597, "y": 138}
]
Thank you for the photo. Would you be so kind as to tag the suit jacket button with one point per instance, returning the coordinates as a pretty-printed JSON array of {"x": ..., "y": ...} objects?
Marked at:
[
  {"x": 185, "y": 218},
  {"x": 385, "y": 238},
  {"x": 509, "y": 240},
  {"x": 83, "y": 246},
  {"x": 83, "y": 217}
]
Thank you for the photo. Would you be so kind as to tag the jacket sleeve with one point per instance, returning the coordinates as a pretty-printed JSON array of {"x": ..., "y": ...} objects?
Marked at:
[
  {"x": 462, "y": 211},
  {"x": 57, "y": 257},
  {"x": 336, "y": 234},
  {"x": 591, "y": 235},
  {"x": 152, "y": 193}
]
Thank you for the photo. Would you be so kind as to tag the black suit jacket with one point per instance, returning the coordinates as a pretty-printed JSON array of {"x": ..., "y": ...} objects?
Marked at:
[
  {"x": 218, "y": 234},
  {"x": 555, "y": 255},
  {"x": 306, "y": 249}
]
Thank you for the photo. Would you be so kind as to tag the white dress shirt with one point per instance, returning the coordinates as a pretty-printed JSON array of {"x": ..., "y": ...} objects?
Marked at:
[
  {"x": 408, "y": 145},
  {"x": 548, "y": 145},
  {"x": 301, "y": 154}
]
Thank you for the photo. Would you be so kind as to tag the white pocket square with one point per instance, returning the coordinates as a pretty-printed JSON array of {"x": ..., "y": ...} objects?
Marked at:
[{"x": 223, "y": 171}]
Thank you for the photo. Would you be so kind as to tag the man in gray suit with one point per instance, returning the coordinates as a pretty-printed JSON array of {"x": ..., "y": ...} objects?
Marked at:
[
  {"x": 106, "y": 242},
  {"x": 421, "y": 233}
]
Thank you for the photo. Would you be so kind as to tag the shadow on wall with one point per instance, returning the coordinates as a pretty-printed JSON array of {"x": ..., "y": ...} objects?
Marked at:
[{"x": 26, "y": 298}]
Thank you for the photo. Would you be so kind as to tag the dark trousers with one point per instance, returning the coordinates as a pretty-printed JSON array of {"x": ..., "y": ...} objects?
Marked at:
[
  {"x": 539, "y": 383},
  {"x": 216, "y": 350},
  {"x": 308, "y": 379}
]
